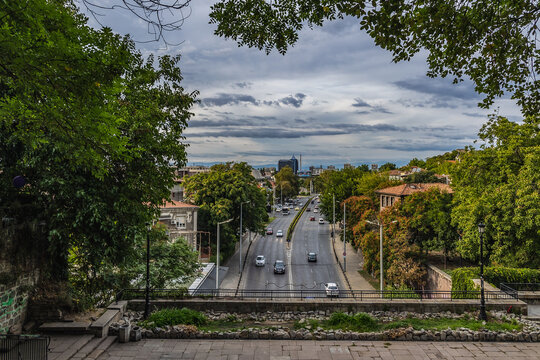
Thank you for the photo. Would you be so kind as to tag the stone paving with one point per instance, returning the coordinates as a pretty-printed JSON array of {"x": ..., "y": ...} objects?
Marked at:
[{"x": 169, "y": 349}]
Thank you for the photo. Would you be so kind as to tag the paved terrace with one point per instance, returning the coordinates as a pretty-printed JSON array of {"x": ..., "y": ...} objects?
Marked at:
[{"x": 169, "y": 349}]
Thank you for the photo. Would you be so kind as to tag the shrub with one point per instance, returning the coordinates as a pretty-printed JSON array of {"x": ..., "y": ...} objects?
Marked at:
[
  {"x": 175, "y": 316},
  {"x": 358, "y": 322},
  {"x": 498, "y": 275}
]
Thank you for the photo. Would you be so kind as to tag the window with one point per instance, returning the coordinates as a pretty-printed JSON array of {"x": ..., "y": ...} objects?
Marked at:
[{"x": 181, "y": 222}]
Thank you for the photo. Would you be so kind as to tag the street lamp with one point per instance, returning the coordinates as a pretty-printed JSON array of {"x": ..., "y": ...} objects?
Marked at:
[
  {"x": 381, "y": 267},
  {"x": 344, "y": 241},
  {"x": 217, "y": 259},
  {"x": 245, "y": 202},
  {"x": 147, "y": 292},
  {"x": 333, "y": 218},
  {"x": 483, "y": 315}
]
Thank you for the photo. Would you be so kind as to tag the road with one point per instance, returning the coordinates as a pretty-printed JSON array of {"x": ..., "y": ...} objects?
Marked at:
[{"x": 299, "y": 275}]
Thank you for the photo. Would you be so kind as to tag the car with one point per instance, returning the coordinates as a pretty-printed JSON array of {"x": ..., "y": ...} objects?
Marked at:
[
  {"x": 308, "y": 209},
  {"x": 285, "y": 212},
  {"x": 297, "y": 208},
  {"x": 279, "y": 267},
  {"x": 331, "y": 289},
  {"x": 278, "y": 209},
  {"x": 315, "y": 211},
  {"x": 311, "y": 257},
  {"x": 269, "y": 231},
  {"x": 321, "y": 221},
  {"x": 260, "y": 260},
  {"x": 312, "y": 218},
  {"x": 279, "y": 233}
]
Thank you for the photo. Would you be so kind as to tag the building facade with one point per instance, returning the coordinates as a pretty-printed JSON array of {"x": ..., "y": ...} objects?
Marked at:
[
  {"x": 181, "y": 220},
  {"x": 292, "y": 163},
  {"x": 389, "y": 196}
]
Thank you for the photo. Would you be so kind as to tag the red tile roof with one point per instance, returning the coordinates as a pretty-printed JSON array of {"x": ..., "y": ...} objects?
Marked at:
[
  {"x": 177, "y": 204},
  {"x": 408, "y": 189}
]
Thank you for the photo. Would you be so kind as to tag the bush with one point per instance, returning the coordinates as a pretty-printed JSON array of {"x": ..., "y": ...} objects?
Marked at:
[
  {"x": 358, "y": 322},
  {"x": 175, "y": 316},
  {"x": 498, "y": 275}
]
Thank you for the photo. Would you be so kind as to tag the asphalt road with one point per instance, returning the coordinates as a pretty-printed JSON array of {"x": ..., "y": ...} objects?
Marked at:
[{"x": 299, "y": 274}]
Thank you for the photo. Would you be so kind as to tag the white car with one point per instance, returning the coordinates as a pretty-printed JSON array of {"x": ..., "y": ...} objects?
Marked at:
[
  {"x": 260, "y": 260},
  {"x": 315, "y": 210},
  {"x": 279, "y": 233},
  {"x": 321, "y": 221},
  {"x": 331, "y": 289}
]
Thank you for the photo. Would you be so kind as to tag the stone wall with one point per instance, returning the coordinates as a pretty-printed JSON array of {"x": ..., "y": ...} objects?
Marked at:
[
  {"x": 14, "y": 302},
  {"x": 457, "y": 306},
  {"x": 438, "y": 279}
]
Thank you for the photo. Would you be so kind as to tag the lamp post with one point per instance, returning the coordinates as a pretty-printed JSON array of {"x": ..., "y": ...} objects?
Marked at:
[
  {"x": 217, "y": 252},
  {"x": 344, "y": 241},
  {"x": 333, "y": 217},
  {"x": 147, "y": 291},
  {"x": 381, "y": 267},
  {"x": 242, "y": 203},
  {"x": 483, "y": 315}
]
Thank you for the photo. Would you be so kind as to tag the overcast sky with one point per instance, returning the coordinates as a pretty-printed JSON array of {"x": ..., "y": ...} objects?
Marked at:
[{"x": 334, "y": 98}]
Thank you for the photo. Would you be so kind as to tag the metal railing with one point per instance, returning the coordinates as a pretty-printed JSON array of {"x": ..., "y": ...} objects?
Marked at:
[
  {"x": 24, "y": 347},
  {"x": 514, "y": 288},
  {"x": 306, "y": 294}
]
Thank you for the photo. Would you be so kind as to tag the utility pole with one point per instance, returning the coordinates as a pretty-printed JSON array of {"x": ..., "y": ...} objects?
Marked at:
[
  {"x": 333, "y": 218},
  {"x": 241, "y": 228},
  {"x": 344, "y": 240}
]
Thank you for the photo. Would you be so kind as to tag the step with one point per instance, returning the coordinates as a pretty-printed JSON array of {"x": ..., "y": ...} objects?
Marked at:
[
  {"x": 66, "y": 327},
  {"x": 67, "y": 346},
  {"x": 95, "y": 346},
  {"x": 100, "y": 327}
]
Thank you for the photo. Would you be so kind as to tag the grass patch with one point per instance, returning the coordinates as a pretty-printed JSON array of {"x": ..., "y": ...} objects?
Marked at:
[
  {"x": 370, "y": 279},
  {"x": 361, "y": 322},
  {"x": 445, "y": 323},
  {"x": 174, "y": 316}
]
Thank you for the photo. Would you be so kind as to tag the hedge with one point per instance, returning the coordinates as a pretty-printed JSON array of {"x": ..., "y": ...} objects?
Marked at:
[{"x": 462, "y": 277}]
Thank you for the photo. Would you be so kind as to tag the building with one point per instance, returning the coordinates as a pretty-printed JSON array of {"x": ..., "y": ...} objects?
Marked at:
[
  {"x": 348, "y": 166},
  {"x": 181, "y": 220},
  {"x": 177, "y": 191},
  {"x": 389, "y": 196},
  {"x": 292, "y": 163},
  {"x": 374, "y": 167},
  {"x": 330, "y": 167}
]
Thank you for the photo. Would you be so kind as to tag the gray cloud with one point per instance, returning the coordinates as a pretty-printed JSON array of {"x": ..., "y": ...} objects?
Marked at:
[
  {"x": 292, "y": 100},
  {"x": 440, "y": 88},
  {"x": 243, "y": 85},
  {"x": 228, "y": 99},
  {"x": 360, "y": 103}
]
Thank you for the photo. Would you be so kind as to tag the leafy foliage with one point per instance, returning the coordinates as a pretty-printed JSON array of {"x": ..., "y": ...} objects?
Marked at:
[
  {"x": 174, "y": 316},
  {"x": 287, "y": 183},
  {"x": 492, "y": 43},
  {"x": 498, "y": 185},
  {"x": 358, "y": 322},
  {"x": 219, "y": 194}
]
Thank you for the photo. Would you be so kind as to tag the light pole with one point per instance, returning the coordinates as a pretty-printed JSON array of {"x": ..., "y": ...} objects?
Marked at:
[
  {"x": 381, "y": 267},
  {"x": 147, "y": 290},
  {"x": 333, "y": 217},
  {"x": 483, "y": 315},
  {"x": 281, "y": 185},
  {"x": 242, "y": 203},
  {"x": 217, "y": 252},
  {"x": 344, "y": 241}
]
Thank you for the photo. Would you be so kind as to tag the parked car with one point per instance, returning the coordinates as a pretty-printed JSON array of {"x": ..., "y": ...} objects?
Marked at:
[
  {"x": 321, "y": 221},
  {"x": 260, "y": 260},
  {"x": 331, "y": 289},
  {"x": 312, "y": 257},
  {"x": 279, "y": 267},
  {"x": 279, "y": 233},
  {"x": 312, "y": 218},
  {"x": 269, "y": 231}
]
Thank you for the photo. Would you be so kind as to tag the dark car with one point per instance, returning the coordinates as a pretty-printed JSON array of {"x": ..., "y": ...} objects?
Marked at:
[
  {"x": 308, "y": 209},
  {"x": 269, "y": 231},
  {"x": 279, "y": 267},
  {"x": 312, "y": 218},
  {"x": 312, "y": 257}
]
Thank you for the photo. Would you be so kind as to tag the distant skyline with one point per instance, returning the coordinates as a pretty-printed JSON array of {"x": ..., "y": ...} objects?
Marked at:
[{"x": 335, "y": 97}]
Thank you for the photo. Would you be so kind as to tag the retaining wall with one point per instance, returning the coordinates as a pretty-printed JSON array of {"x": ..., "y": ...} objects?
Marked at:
[
  {"x": 329, "y": 306},
  {"x": 438, "y": 279}
]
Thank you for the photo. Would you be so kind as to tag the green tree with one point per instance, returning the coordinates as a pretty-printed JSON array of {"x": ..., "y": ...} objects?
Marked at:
[
  {"x": 219, "y": 194},
  {"x": 92, "y": 127},
  {"x": 492, "y": 43},
  {"x": 388, "y": 166},
  {"x": 416, "y": 162},
  {"x": 370, "y": 182},
  {"x": 498, "y": 185},
  {"x": 423, "y": 177},
  {"x": 287, "y": 183}
]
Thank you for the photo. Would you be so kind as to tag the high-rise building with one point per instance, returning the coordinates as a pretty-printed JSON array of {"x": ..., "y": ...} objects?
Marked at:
[{"x": 292, "y": 163}]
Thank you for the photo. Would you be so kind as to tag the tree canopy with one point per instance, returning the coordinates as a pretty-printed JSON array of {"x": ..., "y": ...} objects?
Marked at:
[
  {"x": 90, "y": 126},
  {"x": 287, "y": 183},
  {"x": 493, "y": 43}
]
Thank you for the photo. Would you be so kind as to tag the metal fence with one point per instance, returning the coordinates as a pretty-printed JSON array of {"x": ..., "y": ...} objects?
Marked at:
[
  {"x": 129, "y": 294},
  {"x": 514, "y": 288},
  {"x": 24, "y": 347}
]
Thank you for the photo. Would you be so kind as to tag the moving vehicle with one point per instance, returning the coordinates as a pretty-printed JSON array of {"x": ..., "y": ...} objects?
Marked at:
[
  {"x": 315, "y": 211},
  {"x": 279, "y": 233},
  {"x": 279, "y": 267},
  {"x": 285, "y": 212},
  {"x": 308, "y": 209},
  {"x": 331, "y": 289},
  {"x": 260, "y": 260},
  {"x": 312, "y": 257},
  {"x": 297, "y": 208},
  {"x": 312, "y": 218},
  {"x": 321, "y": 221},
  {"x": 269, "y": 231}
]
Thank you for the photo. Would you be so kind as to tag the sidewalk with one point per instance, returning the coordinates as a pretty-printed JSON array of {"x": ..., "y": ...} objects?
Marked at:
[
  {"x": 354, "y": 262},
  {"x": 232, "y": 278}
]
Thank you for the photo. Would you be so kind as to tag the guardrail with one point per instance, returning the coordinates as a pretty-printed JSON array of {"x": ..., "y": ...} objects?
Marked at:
[
  {"x": 28, "y": 347},
  {"x": 173, "y": 294},
  {"x": 513, "y": 289}
]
